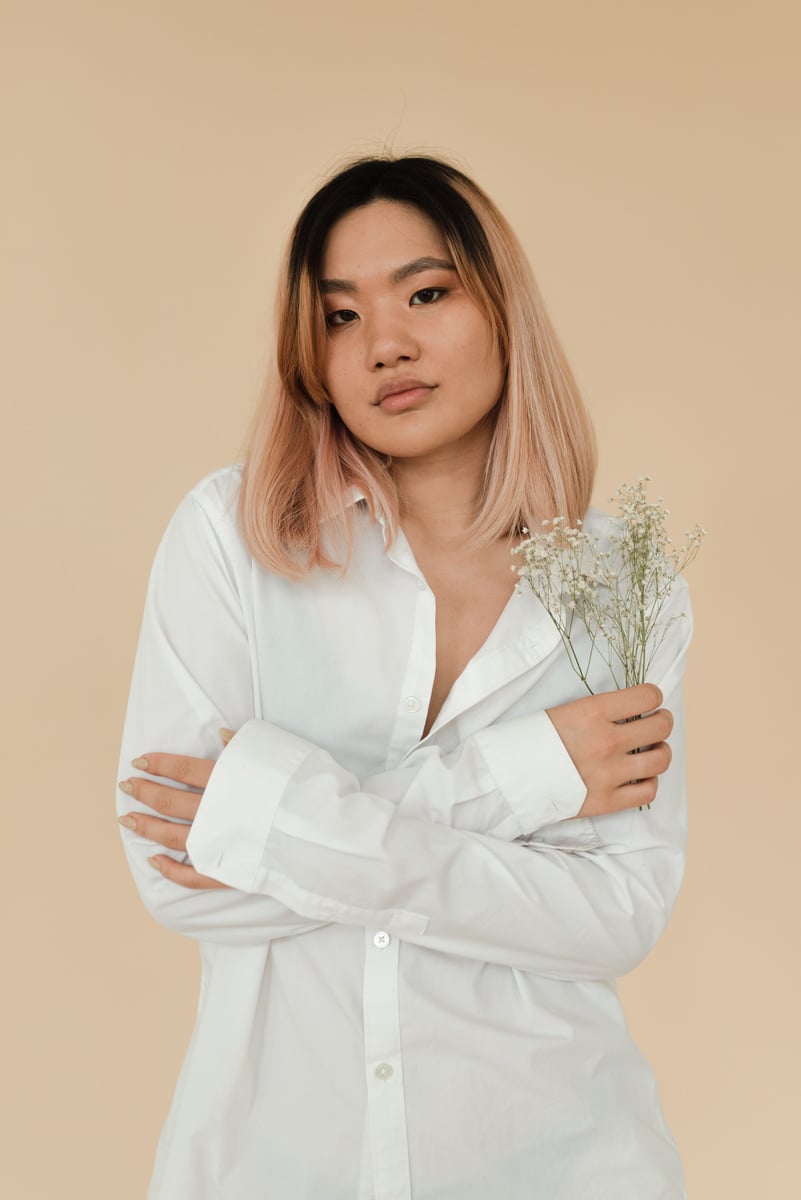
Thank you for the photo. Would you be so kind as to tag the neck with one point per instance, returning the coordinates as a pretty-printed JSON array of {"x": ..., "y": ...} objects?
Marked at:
[{"x": 439, "y": 496}]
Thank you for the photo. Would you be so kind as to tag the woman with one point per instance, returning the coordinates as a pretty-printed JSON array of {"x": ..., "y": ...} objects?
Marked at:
[{"x": 419, "y": 864}]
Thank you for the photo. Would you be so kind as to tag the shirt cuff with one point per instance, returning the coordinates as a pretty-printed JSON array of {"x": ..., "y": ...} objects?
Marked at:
[
  {"x": 237, "y": 810},
  {"x": 532, "y": 768}
]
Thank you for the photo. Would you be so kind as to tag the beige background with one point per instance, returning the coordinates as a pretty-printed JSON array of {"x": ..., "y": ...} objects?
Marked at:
[{"x": 154, "y": 155}]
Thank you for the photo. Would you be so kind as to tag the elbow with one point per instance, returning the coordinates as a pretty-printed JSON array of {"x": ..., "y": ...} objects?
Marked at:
[
  {"x": 639, "y": 940},
  {"x": 165, "y": 901},
  {"x": 173, "y": 907},
  {"x": 649, "y": 904}
]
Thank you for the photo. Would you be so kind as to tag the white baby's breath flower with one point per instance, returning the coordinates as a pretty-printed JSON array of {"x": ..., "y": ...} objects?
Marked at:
[{"x": 619, "y": 592}]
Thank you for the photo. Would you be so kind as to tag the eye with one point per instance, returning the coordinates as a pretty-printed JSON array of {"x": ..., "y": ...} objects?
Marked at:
[
  {"x": 430, "y": 294},
  {"x": 346, "y": 316},
  {"x": 332, "y": 318}
]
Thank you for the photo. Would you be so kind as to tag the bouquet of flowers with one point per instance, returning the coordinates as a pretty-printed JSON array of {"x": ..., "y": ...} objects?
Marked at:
[{"x": 617, "y": 590}]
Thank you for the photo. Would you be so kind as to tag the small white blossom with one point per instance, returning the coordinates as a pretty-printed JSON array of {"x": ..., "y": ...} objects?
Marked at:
[{"x": 618, "y": 593}]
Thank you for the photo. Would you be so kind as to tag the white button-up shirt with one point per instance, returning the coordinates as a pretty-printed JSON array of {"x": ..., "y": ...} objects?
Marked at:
[{"x": 409, "y": 991}]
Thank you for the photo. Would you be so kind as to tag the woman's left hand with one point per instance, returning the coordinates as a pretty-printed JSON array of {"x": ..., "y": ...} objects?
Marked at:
[{"x": 174, "y": 802}]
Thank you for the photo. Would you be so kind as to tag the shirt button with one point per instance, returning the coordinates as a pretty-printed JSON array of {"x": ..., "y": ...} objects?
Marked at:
[
  {"x": 384, "y": 1071},
  {"x": 422, "y": 585},
  {"x": 412, "y": 704},
  {"x": 381, "y": 939}
]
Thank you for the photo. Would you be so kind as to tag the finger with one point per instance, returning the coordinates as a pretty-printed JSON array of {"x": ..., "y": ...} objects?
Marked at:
[
  {"x": 194, "y": 772},
  {"x": 633, "y": 794},
  {"x": 637, "y": 794},
  {"x": 633, "y": 701},
  {"x": 172, "y": 834},
  {"x": 647, "y": 731},
  {"x": 650, "y": 763},
  {"x": 183, "y": 873},
  {"x": 173, "y": 802}
]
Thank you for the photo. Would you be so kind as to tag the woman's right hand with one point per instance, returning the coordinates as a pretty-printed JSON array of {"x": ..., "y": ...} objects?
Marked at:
[{"x": 600, "y": 734}]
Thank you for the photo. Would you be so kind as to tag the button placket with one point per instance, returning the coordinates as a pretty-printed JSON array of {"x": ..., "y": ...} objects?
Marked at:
[{"x": 386, "y": 1105}]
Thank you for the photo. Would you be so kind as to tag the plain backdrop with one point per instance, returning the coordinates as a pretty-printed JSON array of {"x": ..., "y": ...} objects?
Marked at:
[{"x": 154, "y": 156}]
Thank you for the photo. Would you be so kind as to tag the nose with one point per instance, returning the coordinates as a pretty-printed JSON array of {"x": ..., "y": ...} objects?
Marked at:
[{"x": 390, "y": 339}]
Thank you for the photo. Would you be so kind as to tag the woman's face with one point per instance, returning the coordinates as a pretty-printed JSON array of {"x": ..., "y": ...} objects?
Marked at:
[{"x": 397, "y": 317}]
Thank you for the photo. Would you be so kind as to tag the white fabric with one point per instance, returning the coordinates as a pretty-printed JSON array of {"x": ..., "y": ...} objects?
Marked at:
[{"x": 410, "y": 990}]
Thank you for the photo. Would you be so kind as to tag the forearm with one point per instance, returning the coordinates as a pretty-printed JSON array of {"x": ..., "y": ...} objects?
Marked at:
[{"x": 303, "y": 830}]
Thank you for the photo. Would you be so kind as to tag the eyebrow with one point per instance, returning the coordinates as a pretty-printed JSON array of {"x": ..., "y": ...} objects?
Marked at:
[{"x": 427, "y": 263}]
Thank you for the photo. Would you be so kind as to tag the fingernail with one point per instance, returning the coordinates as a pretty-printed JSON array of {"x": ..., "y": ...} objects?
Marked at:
[
  {"x": 226, "y": 735},
  {"x": 129, "y": 822},
  {"x": 154, "y": 862},
  {"x": 126, "y": 786},
  {"x": 139, "y": 763}
]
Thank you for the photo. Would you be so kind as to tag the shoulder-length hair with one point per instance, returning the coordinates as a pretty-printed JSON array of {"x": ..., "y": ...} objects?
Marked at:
[{"x": 302, "y": 463}]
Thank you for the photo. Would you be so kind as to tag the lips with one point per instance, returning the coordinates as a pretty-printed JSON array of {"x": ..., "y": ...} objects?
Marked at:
[{"x": 396, "y": 386}]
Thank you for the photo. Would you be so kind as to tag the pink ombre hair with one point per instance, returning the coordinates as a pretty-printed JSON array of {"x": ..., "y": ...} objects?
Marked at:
[{"x": 302, "y": 463}]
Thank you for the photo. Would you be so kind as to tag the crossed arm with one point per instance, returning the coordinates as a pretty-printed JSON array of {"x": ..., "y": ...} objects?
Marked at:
[
  {"x": 274, "y": 838},
  {"x": 599, "y": 733}
]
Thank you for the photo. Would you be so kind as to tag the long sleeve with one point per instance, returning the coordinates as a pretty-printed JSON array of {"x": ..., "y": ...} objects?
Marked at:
[
  {"x": 281, "y": 817},
  {"x": 194, "y": 672},
  {"x": 476, "y": 786},
  {"x": 192, "y": 675}
]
